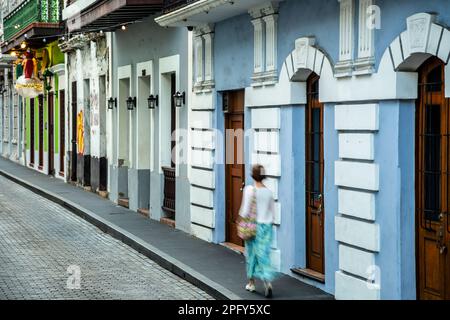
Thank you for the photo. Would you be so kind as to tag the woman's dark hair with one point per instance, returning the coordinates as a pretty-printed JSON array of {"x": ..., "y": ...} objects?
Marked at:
[{"x": 258, "y": 173}]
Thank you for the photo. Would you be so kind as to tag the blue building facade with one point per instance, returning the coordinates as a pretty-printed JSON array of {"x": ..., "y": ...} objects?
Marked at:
[{"x": 334, "y": 99}]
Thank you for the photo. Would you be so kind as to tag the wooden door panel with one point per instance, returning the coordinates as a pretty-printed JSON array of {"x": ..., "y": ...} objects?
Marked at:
[
  {"x": 62, "y": 136},
  {"x": 41, "y": 131},
  {"x": 32, "y": 132},
  {"x": 74, "y": 151},
  {"x": 314, "y": 179},
  {"x": 433, "y": 271},
  {"x": 235, "y": 168},
  {"x": 432, "y": 190},
  {"x": 50, "y": 107}
]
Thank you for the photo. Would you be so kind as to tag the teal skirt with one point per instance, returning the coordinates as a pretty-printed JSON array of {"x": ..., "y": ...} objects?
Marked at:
[{"x": 259, "y": 264}]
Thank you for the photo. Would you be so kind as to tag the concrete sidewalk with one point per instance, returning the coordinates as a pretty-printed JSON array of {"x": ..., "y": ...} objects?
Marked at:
[{"x": 213, "y": 268}]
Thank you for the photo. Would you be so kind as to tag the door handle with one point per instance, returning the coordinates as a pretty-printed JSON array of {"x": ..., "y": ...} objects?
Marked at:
[
  {"x": 242, "y": 187},
  {"x": 440, "y": 236},
  {"x": 319, "y": 209}
]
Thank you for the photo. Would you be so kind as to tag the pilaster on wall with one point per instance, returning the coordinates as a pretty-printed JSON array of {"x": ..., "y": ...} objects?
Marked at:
[
  {"x": 357, "y": 178},
  {"x": 365, "y": 62},
  {"x": 203, "y": 173},
  {"x": 265, "y": 23},
  {"x": 202, "y": 137},
  {"x": 203, "y": 62},
  {"x": 344, "y": 66}
]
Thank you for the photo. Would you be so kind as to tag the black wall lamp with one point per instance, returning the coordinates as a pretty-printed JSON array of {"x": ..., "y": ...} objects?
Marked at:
[
  {"x": 131, "y": 103},
  {"x": 112, "y": 103},
  {"x": 47, "y": 79},
  {"x": 180, "y": 99},
  {"x": 153, "y": 101}
]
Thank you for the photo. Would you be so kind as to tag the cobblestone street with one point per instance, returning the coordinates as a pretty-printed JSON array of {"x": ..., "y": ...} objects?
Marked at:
[{"x": 43, "y": 246}]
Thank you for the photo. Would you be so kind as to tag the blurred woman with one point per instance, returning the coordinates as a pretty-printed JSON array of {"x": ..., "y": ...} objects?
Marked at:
[{"x": 258, "y": 248}]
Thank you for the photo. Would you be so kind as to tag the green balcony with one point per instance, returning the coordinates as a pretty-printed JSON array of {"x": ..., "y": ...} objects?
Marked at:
[{"x": 36, "y": 17}]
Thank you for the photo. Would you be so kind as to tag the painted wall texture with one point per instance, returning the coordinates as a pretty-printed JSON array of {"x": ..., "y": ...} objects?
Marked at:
[{"x": 148, "y": 42}]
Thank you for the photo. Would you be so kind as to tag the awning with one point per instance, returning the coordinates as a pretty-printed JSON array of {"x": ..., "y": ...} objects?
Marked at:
[
  {"x": 37, "y": 34},
  {"x": 111, "y": 14}
]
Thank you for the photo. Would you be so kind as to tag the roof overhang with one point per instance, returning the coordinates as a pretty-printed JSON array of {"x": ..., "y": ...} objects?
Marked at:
[
  {"x": 34, "y": 35},
  {"x": 207, "y": 11},
  {"x": 109, "y": 14}
]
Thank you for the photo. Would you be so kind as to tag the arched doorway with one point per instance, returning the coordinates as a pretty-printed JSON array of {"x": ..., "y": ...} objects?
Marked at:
[
  {"x": 432, "y": 183},
  {"x": 314, "y": 161}
]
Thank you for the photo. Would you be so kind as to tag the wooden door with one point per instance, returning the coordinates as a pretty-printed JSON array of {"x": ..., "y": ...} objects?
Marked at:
[
  {"x": 432, "y": 183},
  {"x": 314, "y": 179},
  {"x": 235, "y": 168},
  {"x": 51, "y": 135},
  {"x": 31, "y": 132},
  {"x": 73, "y": 160},
  {"x": 62, "y": 132},
  {"x": 41, "y": 131}
]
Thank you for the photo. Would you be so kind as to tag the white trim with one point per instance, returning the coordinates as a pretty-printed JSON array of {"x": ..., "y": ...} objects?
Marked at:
[
  {"x": 271, "y": 41},
  {"x": 346, "y": 36},
  {"x": 144, "y": 115},
  {"x": 167, "y": 65},
  {"x": 258, "y": 41},
  {"x": 209, "y": 56},
  {"x": 386, "y": 84},
  {"x": 59, "y": 69},
  {"x": 198, "y": 59},
  {"x": 365, "y": 62},
  {"x": 123, "y": 72},
  {"x": 366, "y": 34}
]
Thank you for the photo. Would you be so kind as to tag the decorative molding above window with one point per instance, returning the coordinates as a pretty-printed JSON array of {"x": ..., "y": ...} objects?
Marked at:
[
  {"x": 365, "y": 62},
  {"x": 204, "y": 58},
  {"x": 265, "y": 23},
  {"x": 343, "y": 67}
]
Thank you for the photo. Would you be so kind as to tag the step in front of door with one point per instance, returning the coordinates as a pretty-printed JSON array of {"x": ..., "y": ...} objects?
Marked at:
[
  {"x": 124, "y": 202},
  {"x": 311, "y": 274},
  {"x": 168, "y": 221},
  {"x": 144, "y": 212}
]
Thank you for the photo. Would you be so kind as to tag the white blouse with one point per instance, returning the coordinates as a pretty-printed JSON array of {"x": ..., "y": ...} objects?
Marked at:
[{"x": 265, "y": 212}]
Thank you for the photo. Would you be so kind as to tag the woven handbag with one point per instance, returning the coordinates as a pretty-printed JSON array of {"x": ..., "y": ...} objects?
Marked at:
[{"x": 247, "y": 226}]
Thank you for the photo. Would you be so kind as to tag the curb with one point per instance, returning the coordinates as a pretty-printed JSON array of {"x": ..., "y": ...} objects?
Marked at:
[{"x": 175, "y": 266}]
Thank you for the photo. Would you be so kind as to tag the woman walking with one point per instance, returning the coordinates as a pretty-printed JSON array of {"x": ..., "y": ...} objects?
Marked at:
[{"x": 260, "y": 199}]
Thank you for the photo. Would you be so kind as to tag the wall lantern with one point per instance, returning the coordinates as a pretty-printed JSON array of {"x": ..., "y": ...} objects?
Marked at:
[
  {"x": 48, "y": 75},
  {"x": 180, "y": 99},
  {"x": 153, "y": 101},
  {"x": 131, "y": 103},
  {"x": 112, "y": 103}
]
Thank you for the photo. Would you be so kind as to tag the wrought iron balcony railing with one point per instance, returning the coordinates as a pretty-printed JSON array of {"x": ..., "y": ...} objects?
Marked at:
[
  {"x": 28, "y": 12},
  {"x": 172, "y": 5}
]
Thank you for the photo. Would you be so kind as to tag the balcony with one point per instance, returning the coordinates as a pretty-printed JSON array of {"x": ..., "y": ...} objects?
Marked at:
[
  {"x": 184, "y": 13},
  {"x": 33, "y": 18},
  {"x": 107, "y": 15}
]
